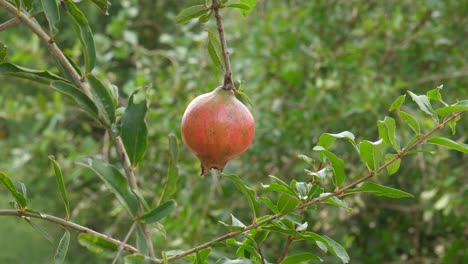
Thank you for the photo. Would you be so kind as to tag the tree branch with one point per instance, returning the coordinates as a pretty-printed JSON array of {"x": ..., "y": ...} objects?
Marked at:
[
  {"x": 10, "y": 23},
  {"x": 228, "y": 83},
  {"x": 66, "y": 223}
]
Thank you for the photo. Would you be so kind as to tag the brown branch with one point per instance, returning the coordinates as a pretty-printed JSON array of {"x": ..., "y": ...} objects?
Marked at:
[
  {"x": 286, "y": 249},
  {"x": 10, "y": 23},
  {"x": 228, "y": 82},
  {"x": 67, "y": 223}
]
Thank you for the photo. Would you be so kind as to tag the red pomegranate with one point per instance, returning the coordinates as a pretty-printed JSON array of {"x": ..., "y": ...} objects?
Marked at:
[{"x": 217, "y": 127}]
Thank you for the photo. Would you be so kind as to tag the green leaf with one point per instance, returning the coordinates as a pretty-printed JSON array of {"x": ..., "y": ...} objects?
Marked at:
[
  {"x": 61, "y": 185},
  {"x": 245, "y": 97},
  {"x": 51, "y": 11},
  {"x": 449, "y": 143},
  {"x": 379, "y": 190},
  {"x": 85, "y": 34},
  {"x": 134, "y": 131},
  {"x": 172, "y": 176},
  {"x": 411, "y": 121},
  {"x": 434, "y": 94},
  {"x": 423, "y": 102},
  {"x": 137, "y": 259},
  {"x": 397, "y": 103},
  {"x": 159, "y": 212},
  {"x": 113, "y": 179},
  {"x": 225, "y": 260},
  {"x": 371, "y": 153},
  {"x": 3, "y": 51},
  {"x": 330, "y": 244},
  {"x": 336, "y": 201},
  {"x": 141, "y": 243},
  {"x": 327, "y": 139},
  {"x": 447, "y": 110},
  {"x": 103, "y": 5},
  {"x": 215, "y": 51},
  {"x": 41, "y": 231},
  {"x": 28, "y": 4},
  {"x": 190, "y": 13},
  {"x": 98, "y": 245},
  {"x": 240, "y": 6},
  {"x": 269, "y": 204},
  {"x": 40, "y": 76},
  {"x": 387, "y": 131},
  {"x": 299, "y": 258},
  {"x": 80, "y": 98},
  {"x": 20, "y": 199},
  {"x": 247, "y": 191},
  {"x": 102, "y": 98},
  {"x": 337, "y": 164},
  {"x": 280, "y": 186},
  {"x": 62, "y": 248},
  {"x": 286, "y": 203},
  {"x": 250, "y": 3},
  {"x": 205, "y": 18},
  {"x": 394, "y": 166}
]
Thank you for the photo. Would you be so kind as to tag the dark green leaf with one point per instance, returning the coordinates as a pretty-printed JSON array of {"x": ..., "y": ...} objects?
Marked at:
[
  {"x": 113, "y": 179},
  {"x": 80, "y": 98},
  {"x": 371, "y": 153},
  {"x": 215, "y": 51},
  {"x": 3, "y": 51},
  {"x": 170, "y": 186},
  {"x": 205, "y": 18},
  {"x": 299, "y": 258},
  {"x": 62, "y": 248},
  {"x": 411, "y": 121},
  {"x": 10, "y": 187},
  {"x": 51, "y": 11},
  {"x": 397, "y": 103},
  {"x": 137, "y": 259},
  {"x": 330, "y": 244},
  {"x": 379, "y": 190},
  {"x": 61, "y": 185},
  {"x": 159, "y": 212},
  {"x": 141, "y": 243},
  {"x": 423, "y": 102},
  {"x": 98, "y": 245},
  {"x": 85, "y": 34},
  {"x": 102, "y": 98},
  {"x": 270, "y": 204},
  {"x": 190, "y": 13},
  {"x": 394, "y": 166},
  {"x": 327, "y": 139},
  {"x": 336, "y": 201},
  {"x": 44, "y": 77},
  {"x": 447, "y": 110},
  {"x": 134, "y": 131},
  {"x": 337, "y": 164},
  {"x": 449, "y": 143},
  {"x": 286, "y": 203},
  {"x": 247, "y": 191},
  {"x": 103, "y": 5},
  {"x": 387, "y": 132},
  {"x": 28, "y": 4}
]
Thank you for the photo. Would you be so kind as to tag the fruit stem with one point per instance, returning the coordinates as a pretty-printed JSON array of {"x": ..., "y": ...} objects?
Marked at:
[{"x": 228, "y": 83}]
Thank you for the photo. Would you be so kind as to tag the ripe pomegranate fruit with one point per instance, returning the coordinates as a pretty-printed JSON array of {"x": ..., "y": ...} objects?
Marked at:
[{"x": 217, "y": 128}]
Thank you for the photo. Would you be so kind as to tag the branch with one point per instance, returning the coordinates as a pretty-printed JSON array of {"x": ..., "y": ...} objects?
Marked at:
[
  {"x": 66, "y": 223},
  {"x": 228, "y": 83},
  {"x": 317, "y": 200},
  {"x": 10, "y": 23},
  {"x": 32, "y": 24}
]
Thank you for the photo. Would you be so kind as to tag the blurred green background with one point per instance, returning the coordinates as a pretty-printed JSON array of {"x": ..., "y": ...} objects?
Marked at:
[{"x": 309, "y": 67}]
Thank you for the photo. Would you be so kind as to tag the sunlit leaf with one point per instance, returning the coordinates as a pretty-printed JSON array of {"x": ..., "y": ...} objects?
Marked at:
[
  {"x": 250, "y": 3},
  {"x": 371, "y": 153},
  {"x": 159, "y": 212},
  {"x": 423, "y": 102},
  {"x": 462, "y": 147},
  {"x": 397, "y": 103},
  {"x": 240, "y": 6},
  {"x": 434, "y": 94},
  {"x": 190, "y": 13},
  {"x": 447, "y": 110},
  {"x": 327, "y": 139},
  {"x": 61, "y": 185},
  {"x": 62, "y": 248},
  {"x": 379, "y": 190}
]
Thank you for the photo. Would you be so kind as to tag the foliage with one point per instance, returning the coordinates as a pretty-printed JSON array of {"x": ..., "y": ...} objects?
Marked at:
[{"x": 310, "y": 67}]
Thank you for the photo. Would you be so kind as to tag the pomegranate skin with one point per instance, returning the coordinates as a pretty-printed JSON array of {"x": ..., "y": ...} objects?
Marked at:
[{"x": 217, "y": 128}]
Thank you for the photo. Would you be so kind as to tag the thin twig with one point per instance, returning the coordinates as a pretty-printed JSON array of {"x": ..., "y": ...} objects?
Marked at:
[
  {"x": 121, "y": 247},
  {"x": 10, "y": 23},
  {"x": 228, "y": 83},
  {"x": 286, "y": 249},
  {"x": 67, "y": 223}
]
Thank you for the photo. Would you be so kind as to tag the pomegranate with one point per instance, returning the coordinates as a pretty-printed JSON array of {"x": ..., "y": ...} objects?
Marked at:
[{"x": 217, "y": 128}]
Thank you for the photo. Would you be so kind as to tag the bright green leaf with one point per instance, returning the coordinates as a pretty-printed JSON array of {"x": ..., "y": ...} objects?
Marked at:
[
  {"x": 336, "y": 201},
  {"x": 98, "y": 245},
  {"x": 327, "y": 139},
  {"x": 387, "y": 131},
  {"x": 159, "y": 212},
  {"x": 80, "y": 98},
  {"x": 134, "y": 131},
  {"x": 371, "y": 153},
  {"x": 462, "y": 147},
  {"x": 336, "y": 163},
  {"x": 137, "y": 259},
  {"x": 395, "y": 165},
  {"x": 113, "y": 179},
  {"x": 51, "y": 11},
  {"x": 240, "y": 6},
  {"x": 397, "y": 103},
  {"x": 62, "y": 248},
  {"x": 103, "y": 99},
  {"x": 190, "y": 13},
  {"x": 61, "y": 185},
  {"x": 85, "y": 34},
  {"x": 250, "y": 3},
  {"x": 434, "y": 94},
  {"x": 20, "y": 199},
  {"x": 447, "y": 110},
  {"x": 380, "y": 190},
  {"x": 286, "y": 203},
  {"x": 411, "y": 121},
  {"x": 299, "y": 258}
]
